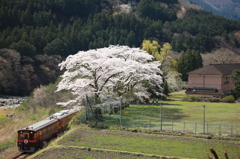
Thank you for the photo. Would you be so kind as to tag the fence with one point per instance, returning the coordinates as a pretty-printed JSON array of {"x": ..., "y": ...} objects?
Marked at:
[{"x": 154, "y": 124}]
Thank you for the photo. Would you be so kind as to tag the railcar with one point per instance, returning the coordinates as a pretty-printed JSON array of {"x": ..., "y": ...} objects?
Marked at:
[{"x": 37, "y": 135}]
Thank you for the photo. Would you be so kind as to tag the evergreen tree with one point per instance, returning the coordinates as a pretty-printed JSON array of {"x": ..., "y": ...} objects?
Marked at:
[
  {"x": 165, "y": 89},
  {"x": 23, "y": 47},
  {"x": 188, "y": 61},
  {"x": 197, "y": 62},
  {"x": 236, "y": 89}
]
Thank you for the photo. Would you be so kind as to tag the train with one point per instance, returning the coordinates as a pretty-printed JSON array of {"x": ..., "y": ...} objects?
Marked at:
[{"x": 37, "y": 135}]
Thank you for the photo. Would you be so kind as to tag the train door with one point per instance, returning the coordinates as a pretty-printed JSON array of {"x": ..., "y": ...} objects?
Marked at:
[{"x": 25, "y": 137}]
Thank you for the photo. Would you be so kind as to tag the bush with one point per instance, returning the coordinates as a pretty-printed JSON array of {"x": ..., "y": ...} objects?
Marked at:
[
  {"x": 229, "y": 99},
  {"x": 191, "y": 98},
  {"x": 79, "y": 118},
  {"x": 238, "y": 100},
  {"x": 213, "y": 99}
]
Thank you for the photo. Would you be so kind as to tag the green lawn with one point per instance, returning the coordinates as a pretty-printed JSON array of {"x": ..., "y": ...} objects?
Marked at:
[
  {"x": 176, "y": 115},
  {"x": 177, "y": 110}
]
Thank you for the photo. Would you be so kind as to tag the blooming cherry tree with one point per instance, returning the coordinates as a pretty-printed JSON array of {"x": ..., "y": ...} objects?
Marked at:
[{"x": 115, "y": 71}]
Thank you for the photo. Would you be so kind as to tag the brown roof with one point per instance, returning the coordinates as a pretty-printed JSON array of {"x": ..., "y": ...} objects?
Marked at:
[{"x": 216, "y": 69}]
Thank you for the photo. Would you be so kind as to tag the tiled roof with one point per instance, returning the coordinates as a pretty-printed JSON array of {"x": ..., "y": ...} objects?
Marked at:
[{"x": 216, "y": 69}]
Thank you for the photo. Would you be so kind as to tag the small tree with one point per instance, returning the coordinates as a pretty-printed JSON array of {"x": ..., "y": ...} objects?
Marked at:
[
  {"x": 168, "y": 64},
  {"x": 165, "y": 89},
  {"x": 236, "y": 89}
]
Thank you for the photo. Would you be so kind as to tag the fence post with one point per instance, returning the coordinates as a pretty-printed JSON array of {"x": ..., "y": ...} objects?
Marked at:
[
  {"x": 203, "y": 119},
  {"x": 219, "y": 131},
  {"x": 116, "y": 121},
  {"x": 195, "y": 128},
  {"x": 231, "y": 130},
  {"x": 120, "y": 111},
  {"x": 148, "y": 124},
  {"x": 160, "y": 116},
  {"x": 172, "y": 125},
  {"x": 183, "y": 126},
  {"x": 207, "y": 128},
  {"x": 138, "y": 123}
]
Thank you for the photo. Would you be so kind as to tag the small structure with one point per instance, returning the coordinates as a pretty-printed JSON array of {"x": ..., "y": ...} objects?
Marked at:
[{"x": 212, "y": 81}]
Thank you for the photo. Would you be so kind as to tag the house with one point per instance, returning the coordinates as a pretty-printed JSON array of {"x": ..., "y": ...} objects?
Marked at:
[{"x": 212, "y": 81}]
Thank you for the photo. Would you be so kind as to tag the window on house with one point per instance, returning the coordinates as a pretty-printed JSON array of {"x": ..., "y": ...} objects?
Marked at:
[
  {"x": 226, "y": 80},
  {"x": 205, "y": 90}
]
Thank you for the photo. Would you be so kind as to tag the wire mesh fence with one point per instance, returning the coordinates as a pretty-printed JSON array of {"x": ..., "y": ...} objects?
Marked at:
[{"x": 179, "y": 126}]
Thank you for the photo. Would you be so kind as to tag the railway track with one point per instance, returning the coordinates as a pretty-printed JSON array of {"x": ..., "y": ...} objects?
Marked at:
[{"x": 19, "y": 155}]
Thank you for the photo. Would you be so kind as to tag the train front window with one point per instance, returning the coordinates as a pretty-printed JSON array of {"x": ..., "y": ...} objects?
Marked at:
[
  {"x": 25, "y": 136},
  {"x": 20, "y": 135},
  {"x": 31, "y": 136}
]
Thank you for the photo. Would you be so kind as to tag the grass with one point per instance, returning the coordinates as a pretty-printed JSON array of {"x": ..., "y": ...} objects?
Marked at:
[
  {"x": 173, "y": 109},
  {"x": 176, "y": 110},
  {"x": 176, "y": 115},
  {"x": 83, "y": 153},
  {"x": 160, "y": 145}
]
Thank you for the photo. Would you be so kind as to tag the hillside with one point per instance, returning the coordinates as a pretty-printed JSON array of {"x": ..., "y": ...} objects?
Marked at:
[
  {"x": 36, "y": 35},
  {"x": 227, "y": 8}
]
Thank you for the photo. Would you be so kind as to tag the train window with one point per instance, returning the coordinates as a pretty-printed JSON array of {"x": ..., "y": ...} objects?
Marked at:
[
  {"x": 25, "y": 136},
  {"x": 20, "y": 136},
  {"x": 31, "y": 136}
]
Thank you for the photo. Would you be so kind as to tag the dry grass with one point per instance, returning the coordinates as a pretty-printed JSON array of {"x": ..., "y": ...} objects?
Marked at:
[
  {"x": 20, "y": 119},
  {"x": 34, "y": 108}
]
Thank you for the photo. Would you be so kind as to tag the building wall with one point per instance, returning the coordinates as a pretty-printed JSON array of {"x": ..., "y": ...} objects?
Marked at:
[
  {"x": 227, "y": 83},
  {"x": 205, "y": 81}
]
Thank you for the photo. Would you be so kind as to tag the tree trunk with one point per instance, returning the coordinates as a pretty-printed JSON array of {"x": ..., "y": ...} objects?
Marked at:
[
  {"x": 226, "y": 155},
  {"x": 214, "y": 153}
]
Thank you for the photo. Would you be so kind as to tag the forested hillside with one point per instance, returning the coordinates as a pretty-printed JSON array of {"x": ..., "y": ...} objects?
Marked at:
[
  {"x": 227, "y": 8},
  {"x": 43, "y": 32}
]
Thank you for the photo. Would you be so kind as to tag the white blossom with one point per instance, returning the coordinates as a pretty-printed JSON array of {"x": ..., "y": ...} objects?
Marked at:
[{"x": 114, "y": 70}]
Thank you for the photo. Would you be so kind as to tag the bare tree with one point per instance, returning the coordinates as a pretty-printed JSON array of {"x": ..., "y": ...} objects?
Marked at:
[{"x": 220, "y": 56}]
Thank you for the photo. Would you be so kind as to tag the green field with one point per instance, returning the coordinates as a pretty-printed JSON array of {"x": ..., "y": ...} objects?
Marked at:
[
  {"x": 176, "y": 110},
  {"x": 123, "y": 144},
  {"x": 176, "y": 115},
  {"x": 102, "y": 144}
]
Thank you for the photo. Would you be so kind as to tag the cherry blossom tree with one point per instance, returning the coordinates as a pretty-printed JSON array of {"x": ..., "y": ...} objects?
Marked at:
[{"x": 113, "y": 72}]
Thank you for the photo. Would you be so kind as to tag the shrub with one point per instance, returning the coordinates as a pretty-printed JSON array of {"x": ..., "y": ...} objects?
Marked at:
[
  {"x": 79, "y": 118},
  {"x": 191, "y": 98},
  {"x": 213, "y": 99},
  {"x": 238, "y": 100},
  {"x": 229, "y": 99}
]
